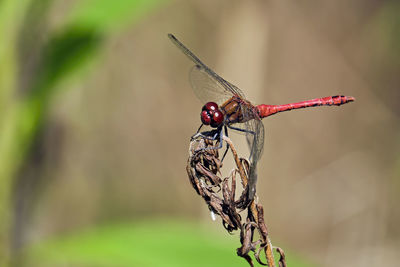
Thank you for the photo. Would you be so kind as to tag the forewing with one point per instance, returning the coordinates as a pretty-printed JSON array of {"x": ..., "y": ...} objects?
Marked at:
[{"x": 207, "y": 85}]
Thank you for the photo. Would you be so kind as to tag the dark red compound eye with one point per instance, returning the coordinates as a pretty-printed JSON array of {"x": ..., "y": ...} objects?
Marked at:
[
  {"x": 217, "y": 118},
  {"x": 210, "y": 106},
  {"x": 205, "y": 117},
  {"x": 211, "y": 115}
]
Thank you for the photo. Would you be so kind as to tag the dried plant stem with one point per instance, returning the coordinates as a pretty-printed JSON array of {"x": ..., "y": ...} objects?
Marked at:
[
  {"x": 203, "y": 170},
  {"x": 237, "y": 160},
  {"x": 253, "y": 207},
  {"x": 269, "y": 253}
]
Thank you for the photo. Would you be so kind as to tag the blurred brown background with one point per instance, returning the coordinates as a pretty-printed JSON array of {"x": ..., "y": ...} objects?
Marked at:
[{"x": 115, "y": 147}]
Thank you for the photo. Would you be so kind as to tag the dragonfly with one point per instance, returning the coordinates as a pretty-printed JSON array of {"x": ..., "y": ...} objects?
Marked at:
[{"x": 225, "y": 106}]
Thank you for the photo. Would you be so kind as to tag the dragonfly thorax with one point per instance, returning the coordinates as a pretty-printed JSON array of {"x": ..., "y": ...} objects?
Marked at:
[
  {"x": 212, "y": 115},
  {"x": 233, "y": 111}
]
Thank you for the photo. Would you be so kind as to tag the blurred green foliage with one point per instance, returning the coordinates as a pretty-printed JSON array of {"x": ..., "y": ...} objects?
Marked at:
[
  {"x": 64, "y": 54},
  {"x": 110, "y": 16},
  {"x": 154, "y": 242},
  {"x": 65, "y": 51},
  {"x": 387, "y": 28}
]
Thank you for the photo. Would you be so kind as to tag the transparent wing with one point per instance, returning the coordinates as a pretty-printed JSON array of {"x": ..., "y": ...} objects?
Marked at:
[
  {"x": 207, "y": 85},
  {"x": 255, "y": 140}
]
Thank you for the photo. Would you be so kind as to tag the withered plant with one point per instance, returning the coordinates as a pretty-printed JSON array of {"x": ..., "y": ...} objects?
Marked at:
[{"x": 204, "y": 171}]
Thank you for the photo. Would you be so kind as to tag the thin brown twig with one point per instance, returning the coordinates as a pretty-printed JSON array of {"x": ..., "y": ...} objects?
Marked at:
[{"x": 282, "y": 260}]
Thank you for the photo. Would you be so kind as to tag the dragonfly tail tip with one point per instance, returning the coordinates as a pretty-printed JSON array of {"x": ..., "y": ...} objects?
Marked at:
[{"x": 351, "y": 99}]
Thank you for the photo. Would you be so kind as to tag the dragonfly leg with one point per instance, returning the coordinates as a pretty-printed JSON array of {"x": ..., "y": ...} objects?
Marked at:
[
  {"x": 241, "y": 130},
  {"x": 198, "y": 130},
  {"x": 244, "y": 131},
  {"x": 227, "y": 146},
  {"x": 209, "y": 135},
  {"x": 212, "y": 148}
]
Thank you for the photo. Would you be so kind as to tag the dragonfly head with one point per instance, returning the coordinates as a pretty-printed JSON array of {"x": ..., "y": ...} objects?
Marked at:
[{"x": 212, "y": 115}]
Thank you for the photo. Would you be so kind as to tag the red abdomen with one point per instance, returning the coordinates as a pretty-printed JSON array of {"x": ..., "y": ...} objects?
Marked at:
[{"x": 268, "y": 110}]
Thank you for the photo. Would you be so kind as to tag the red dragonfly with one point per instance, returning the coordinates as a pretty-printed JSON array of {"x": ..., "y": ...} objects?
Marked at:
[{"x": 226, "y": 106}]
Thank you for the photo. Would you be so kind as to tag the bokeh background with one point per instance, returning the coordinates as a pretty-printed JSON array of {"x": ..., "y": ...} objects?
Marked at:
[{"x": 96, "y": 112}]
